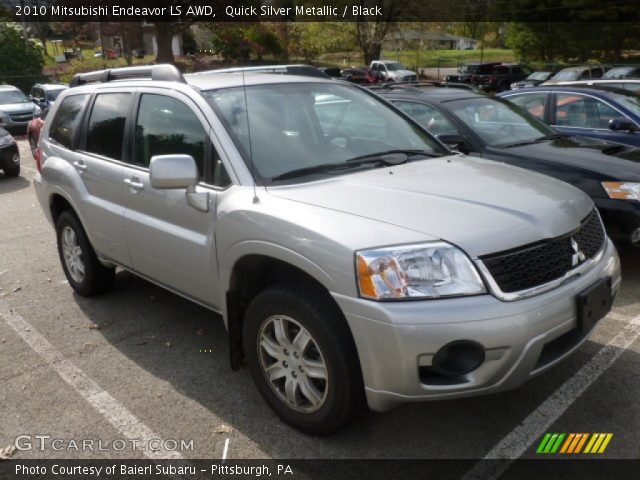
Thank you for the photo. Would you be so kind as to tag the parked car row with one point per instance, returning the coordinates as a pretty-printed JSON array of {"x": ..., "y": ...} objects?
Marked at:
[
  {"x": 20, "y": 113},
  {"x": 484, "y": 125}
]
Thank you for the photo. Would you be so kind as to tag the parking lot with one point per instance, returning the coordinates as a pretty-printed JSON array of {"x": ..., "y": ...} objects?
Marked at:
[{"x": 140, "y": 362}]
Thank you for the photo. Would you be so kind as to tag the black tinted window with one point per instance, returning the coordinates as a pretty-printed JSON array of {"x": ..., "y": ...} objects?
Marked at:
[
  {"x": 67, "y": 119},
  {"x": 105, "y": 134},
  {"x": 167, "y": 126}
]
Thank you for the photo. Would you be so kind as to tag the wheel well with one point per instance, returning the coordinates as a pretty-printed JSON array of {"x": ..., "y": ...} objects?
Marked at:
[
  {"x": 58, "y": 205},
  {"x": 250, "y": 276}
]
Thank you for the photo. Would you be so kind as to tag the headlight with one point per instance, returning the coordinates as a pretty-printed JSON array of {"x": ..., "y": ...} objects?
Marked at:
[
  {"x": 428, "y": 270},
  {"x": 622, "y": 190},
  {"x": 6, "y": 140}
]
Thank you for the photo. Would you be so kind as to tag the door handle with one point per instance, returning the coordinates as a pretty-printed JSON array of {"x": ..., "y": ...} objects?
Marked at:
[
  {"x": 80, "y": 166},
  {"x": 134, "y": 183}
]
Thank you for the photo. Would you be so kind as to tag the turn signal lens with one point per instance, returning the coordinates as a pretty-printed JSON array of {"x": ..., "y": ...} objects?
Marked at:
[{"x": 622, "y": 190}]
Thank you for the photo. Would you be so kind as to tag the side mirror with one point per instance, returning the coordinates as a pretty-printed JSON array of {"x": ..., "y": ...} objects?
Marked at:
[
  {"x": 176, "y": 172},
  {"x": 453, "y": 141},
  {"x": 621, "y": 124}
]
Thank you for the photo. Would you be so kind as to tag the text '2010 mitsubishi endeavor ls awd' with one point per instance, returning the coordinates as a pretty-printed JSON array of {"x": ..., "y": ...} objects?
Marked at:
[{"x": 353, "y": 257}]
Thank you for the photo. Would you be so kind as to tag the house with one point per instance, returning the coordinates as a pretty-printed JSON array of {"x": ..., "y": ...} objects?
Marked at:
[
  {"x": 139, "y": 36},
  {"x": 410, "y": 39}
]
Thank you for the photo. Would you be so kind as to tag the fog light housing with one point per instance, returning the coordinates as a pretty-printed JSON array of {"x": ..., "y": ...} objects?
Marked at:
[
  {"x": 15, "y": 158},
  {"x": 458, "y": 358}
]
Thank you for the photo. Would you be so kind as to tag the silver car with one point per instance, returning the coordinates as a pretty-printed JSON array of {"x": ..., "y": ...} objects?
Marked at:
[
  {"x": 354, "y": 259},
  {"x": 16, "y": 109}
]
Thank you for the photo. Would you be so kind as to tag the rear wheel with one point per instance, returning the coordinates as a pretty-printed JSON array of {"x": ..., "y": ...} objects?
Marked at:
[
  {"x": 86, "y": 275},
  {"x": 302, "y": 359}
]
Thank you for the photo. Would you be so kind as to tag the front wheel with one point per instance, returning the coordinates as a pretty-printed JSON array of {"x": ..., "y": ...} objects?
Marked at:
[
  {"x": 302, "y": 358},
  {"x": 86, "y": 275}
]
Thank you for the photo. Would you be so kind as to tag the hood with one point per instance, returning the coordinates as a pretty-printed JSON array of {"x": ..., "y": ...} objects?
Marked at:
[
  {"x": 608, "y": 161},
  {"x": 480, "y": 205},
  {"x": 26, "y": 107},
  {"x": 402, "y": 73}
]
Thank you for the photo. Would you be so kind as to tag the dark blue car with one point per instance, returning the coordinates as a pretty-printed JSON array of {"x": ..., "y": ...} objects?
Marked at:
[{"x": 599, "y": 112}]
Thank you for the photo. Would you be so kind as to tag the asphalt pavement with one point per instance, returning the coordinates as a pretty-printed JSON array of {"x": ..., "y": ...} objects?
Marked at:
[{"x": 141, "y": 361}]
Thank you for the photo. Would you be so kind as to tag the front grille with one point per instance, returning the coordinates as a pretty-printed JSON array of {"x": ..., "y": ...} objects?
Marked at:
[
  {"x": 22, "y": 117},
  {"x": 542, "y": 262}
]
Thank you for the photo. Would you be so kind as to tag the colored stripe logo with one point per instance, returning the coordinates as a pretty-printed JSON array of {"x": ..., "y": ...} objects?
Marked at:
[{"x": 593, "y": 443}]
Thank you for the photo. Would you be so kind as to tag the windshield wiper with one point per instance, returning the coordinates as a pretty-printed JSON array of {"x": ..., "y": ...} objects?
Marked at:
[
  {"x": 385, "y": 159},
  {"x": 392, "y": 157},
  {"x": 552, "y": 136}
]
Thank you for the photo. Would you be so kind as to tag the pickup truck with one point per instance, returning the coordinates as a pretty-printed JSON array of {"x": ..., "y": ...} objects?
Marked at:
[
  {"x": 390, "y": 71},
  {"x": 466, "y": 72},
  {"x": 501, "y": 77}
]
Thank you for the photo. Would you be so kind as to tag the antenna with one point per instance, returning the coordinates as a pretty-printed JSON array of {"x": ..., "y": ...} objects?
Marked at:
[{"x": 252, "y": 166}]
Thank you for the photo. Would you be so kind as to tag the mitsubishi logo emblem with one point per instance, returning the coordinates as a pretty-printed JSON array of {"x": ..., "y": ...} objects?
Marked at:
[{"x": 578, "y": 256}]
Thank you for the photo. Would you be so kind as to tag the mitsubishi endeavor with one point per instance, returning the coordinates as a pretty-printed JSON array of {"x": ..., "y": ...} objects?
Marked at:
[{"x": 355, "y": 260}]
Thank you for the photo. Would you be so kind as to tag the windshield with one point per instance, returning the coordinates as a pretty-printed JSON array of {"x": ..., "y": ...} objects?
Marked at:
[
  {"x": 393, "y": 66},
  {"x": 297, "y": 126},
  {"x": 618, "y": 72},
  {"x": 498, "y": 123},
  {"x": 53, "y": 94},
  {"x": 566, "y": 75},
  {"x": 539, "y": 76},
  {"x": 12, "y": 96},
  {"x": 630, "y": 102}
]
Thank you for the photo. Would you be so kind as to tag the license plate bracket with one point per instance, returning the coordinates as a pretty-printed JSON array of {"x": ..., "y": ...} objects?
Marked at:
[{"x": 594, "y": 303}]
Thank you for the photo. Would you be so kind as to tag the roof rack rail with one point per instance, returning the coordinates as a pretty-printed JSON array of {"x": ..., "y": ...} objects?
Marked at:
[{"x": 163, "y": 72}]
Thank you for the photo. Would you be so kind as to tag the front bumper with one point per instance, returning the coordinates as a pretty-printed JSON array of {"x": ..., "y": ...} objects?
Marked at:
[
  {"x": 396, "y": 341},
  {"x": 9, "y": 155},
  {"x": 620, "y": 217},
  {"x": 16, "y": 122}
]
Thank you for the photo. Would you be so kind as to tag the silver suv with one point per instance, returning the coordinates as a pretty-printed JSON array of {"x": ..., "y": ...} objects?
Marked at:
[{"x": 354, "y": 259}]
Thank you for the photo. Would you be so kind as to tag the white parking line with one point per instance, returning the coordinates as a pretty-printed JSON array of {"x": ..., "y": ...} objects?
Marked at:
[
  {"x": 122, "y": 419},
  {"x": 226, "y": 450},
  {"x": 537, "y": 423}
]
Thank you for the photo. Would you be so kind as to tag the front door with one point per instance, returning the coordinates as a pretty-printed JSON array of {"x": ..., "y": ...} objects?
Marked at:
[{"x": 170, "y": 241}]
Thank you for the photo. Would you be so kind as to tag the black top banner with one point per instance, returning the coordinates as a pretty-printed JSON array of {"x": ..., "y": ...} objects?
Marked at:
[{"x": 320, "y": 10}]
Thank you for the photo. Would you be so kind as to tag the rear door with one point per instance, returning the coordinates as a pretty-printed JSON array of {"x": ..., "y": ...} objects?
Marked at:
[
  {"x": 99, "y": 198},
  {"x": 170, "y": 241},
  {"x": 99, "y": 163}
]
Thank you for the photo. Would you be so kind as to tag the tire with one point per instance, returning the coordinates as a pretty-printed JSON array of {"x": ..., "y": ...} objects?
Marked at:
[
  {"x": 86, "y": 275},
  {"x": 12, "y": 171},
  {"x": 339, "y": 398}
]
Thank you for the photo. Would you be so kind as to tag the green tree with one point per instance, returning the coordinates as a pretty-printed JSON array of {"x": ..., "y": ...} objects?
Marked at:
[
  {"x": 242, "y": 41},
  {"x": 22, "y": 60}
]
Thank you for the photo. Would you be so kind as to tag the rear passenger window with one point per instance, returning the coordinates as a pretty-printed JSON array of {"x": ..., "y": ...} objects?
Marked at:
[
  {"x": 67, "y": 119},
  {"x": 105, "y": 134},
  {"x": 531, "y": 102},
  {"x": 167, "y": 126}
]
